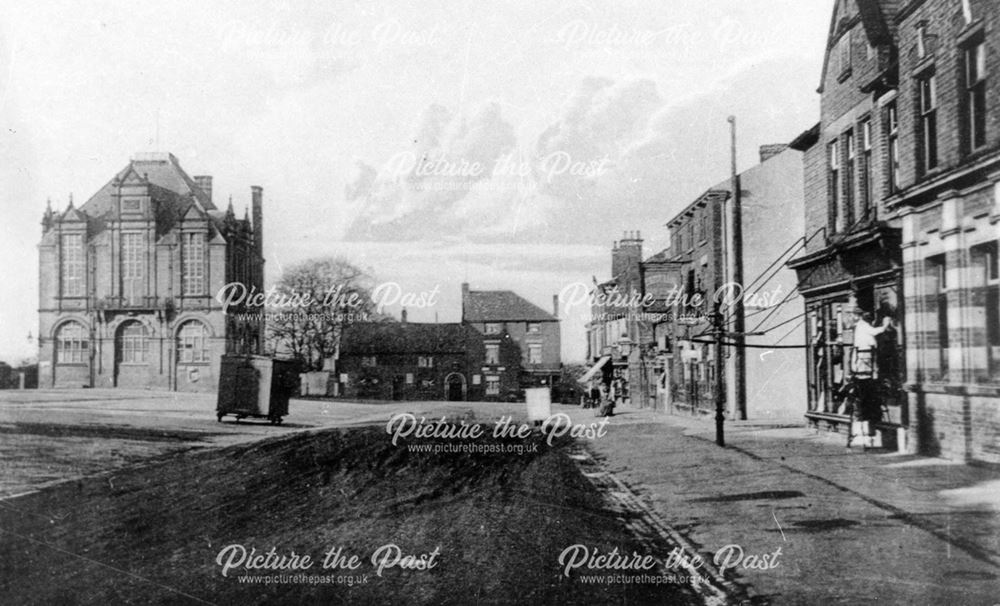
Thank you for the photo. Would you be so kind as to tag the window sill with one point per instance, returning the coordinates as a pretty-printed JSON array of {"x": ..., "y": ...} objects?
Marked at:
[
  {"x": 845, "y": 75},
  {"x": 79, "y": 364},
  {"x": 193, "y": 363}
]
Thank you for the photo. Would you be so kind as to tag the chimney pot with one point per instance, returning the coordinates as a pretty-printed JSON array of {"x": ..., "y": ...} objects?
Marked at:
[{"x": 402, "y": 316}]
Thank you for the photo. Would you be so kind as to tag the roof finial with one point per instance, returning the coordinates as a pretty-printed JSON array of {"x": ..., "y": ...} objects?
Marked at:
[{"x": 71, "y": 199}]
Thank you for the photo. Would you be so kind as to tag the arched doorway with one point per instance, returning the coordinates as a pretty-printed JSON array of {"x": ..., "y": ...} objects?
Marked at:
[
  {"x": 454, "y": 387},
  {"x": 192, "y": 368},
  {"x": 131, "y": 355}
]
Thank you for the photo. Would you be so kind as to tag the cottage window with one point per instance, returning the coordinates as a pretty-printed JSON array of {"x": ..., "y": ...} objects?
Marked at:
[
  {"x": 492, "y": 328},
  {"x": 369, "y": 361},
  {"x": 534, "y": 353},
  {"x": 493, "y": 353},
  {"x": 192, "y": 342},
  {"x": 492, "y": 385},
  {"x": 73, "y": 264},
  {"x": 72, "y": 344},
  {"x": 425, "y": 361},
  {"x": 534, "y": 327}
]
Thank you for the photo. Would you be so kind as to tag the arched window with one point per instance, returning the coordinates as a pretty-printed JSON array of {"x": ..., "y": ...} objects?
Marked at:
[
  {"x": 192, "y": 342},
  {"x": 134, "y": 345},
  {"x": 72, "y": 344}
]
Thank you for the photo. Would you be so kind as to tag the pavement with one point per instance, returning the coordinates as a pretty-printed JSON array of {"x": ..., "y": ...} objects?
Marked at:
[{"x": 853, "y": 526}]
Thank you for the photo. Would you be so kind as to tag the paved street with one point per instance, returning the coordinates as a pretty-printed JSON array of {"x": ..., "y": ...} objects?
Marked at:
[{"x": 852, "y": 526}]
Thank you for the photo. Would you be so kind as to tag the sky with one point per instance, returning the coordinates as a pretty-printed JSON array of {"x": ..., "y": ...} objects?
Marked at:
[{"x": 431, "y": 143}]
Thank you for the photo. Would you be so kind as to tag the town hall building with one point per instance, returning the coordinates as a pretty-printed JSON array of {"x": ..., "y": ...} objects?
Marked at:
[{"x": 127, "y": 282}]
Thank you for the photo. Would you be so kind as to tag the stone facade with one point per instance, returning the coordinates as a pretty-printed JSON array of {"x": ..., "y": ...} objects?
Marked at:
[{"x": 128, "y": 282}]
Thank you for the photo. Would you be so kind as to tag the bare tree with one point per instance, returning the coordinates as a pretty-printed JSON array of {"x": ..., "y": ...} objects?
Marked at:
[{"x": 313, "y": 301}]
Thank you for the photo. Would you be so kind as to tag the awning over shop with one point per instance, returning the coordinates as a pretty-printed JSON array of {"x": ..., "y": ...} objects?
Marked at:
[{"x": 593, "y": 369}]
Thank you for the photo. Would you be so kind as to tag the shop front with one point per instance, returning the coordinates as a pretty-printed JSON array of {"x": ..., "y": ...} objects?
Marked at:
[{"x": 858, "y": 279}]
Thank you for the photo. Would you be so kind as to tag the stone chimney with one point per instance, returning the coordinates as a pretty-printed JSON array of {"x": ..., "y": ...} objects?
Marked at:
[
  {"x": 555, "y": 305},
  {"x": 771, "y": 150},
  {"x": 627, "y": 253},
  {"x": 257, "y": 213},
  {"x": 204, "y": 183}
]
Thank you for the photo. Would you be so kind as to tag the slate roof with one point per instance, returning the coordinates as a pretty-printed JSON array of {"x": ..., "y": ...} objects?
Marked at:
[
  {"x": 501, "y": 306},
  {"x": 173, "y": 190},
  {"x": 372, "y": 338}
]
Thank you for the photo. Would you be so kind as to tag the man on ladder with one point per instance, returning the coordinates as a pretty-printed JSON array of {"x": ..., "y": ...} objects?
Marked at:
[{"x": 864, "y": 375}]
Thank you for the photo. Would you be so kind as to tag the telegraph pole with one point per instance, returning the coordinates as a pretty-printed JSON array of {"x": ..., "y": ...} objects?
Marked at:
[{"x": 720, "y": 390}]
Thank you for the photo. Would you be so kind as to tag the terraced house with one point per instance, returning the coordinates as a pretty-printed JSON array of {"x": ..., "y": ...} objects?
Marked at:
[
  {"x": 127, "y": 282},
  {"x": 902, "y": 204}
]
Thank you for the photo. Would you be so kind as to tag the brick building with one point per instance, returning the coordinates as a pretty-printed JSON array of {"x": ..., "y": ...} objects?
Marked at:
[
  {"x": 127, "y": 282},
  {"x": 628, "y": 336},
  {"x": 902, "y": 204},
  {"x": 410, "y": 361},
  {"x": 507, "y": 320},
  {"x": 755, "y": 232}
]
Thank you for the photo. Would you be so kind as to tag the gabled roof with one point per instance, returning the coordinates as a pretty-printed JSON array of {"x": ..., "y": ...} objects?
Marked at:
[
  {"x": 172, "y": 190},
  {"x": 876, "y": 17},
  {"x": 501, "y": 306},
  {"x": 373, "y": 338},
  {"x": 160, "y": 169}
]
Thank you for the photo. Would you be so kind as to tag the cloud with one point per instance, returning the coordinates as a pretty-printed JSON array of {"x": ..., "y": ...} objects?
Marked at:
[
  {"x": 616, "y": 156},
  {"x": 360, "y": 185}
]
